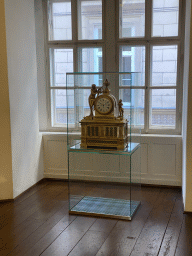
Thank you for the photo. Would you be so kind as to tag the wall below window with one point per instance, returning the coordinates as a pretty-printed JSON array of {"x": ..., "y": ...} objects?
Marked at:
[{"x": 160, "y": 160}]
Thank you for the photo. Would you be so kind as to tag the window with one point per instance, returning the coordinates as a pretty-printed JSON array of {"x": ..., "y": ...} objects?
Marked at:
[{"x": 118, "y": 36}]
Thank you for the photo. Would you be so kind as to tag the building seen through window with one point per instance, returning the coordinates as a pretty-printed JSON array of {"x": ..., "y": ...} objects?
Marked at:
[{"x": 149, "y": 48}]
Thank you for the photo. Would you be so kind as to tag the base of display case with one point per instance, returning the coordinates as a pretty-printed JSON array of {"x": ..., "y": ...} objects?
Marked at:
[{"x": 105, "y": 207}]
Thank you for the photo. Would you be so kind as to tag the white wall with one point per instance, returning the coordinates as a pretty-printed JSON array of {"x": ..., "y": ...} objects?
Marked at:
[
  {"x": 41, "y": 63},
  {"x": 27, "y": 157},
  {"x": 160, "y": 160}
]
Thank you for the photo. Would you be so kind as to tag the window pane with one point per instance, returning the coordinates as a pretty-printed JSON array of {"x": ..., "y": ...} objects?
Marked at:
[
  {"x": 132, "y": 59},
  {"x": 131, "y": 18},
  {"x": 59, "y": 106},
  {"x": 81, "y": 104},
  {"x": 60, "y": 21},
  {"x": 165, "y": 17},
  {"x": 133, "y": 99},
  {"x": 90, "y": 20},
  {"x": 164, "y": 65},
  {"x": 90, "y": 60},
  {"x": 163, "y": 108},
  {"x": 61, "y": 63}
]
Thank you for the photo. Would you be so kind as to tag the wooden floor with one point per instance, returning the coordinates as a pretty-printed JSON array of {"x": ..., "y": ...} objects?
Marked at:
[{"x": 37, "y": 223}]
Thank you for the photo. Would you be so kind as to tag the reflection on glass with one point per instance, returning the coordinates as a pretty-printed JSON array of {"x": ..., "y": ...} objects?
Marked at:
[
  {"x": 61, "y": 63},
  {"x": 164, "y": 65},
  {"x": 132, "y": 59},
  {"x": 163, "y": 108},
  {"x": 90, "y": 20},
  {"x": 59, "y": 106},
  {"x": 133, "y": 99},
  {"x": 81, "y": 104},
  {"x": 165, "y": 18},
  {"x": 90, "y": 59},
  {"x": 131, "y": 18},
  {"x": 103, "y": 161},
  {"x": 59, "y": 22}
]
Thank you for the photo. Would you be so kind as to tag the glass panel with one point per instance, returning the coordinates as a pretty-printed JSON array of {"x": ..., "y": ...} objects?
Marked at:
[
  {"x": 132, "y": 59},
  {"x": 86, "y": 109},
  {"x": 163, "y": 108},
  {"x": 59, "y": 107},
  {"x": 115, "y": 190},
  {"x": 81, "y": 104},
  {"x": 59, "y": 23},
  {"x": 61, "y": 63},
  {"x": 131, "y": 18},
  {"x": 164, "y": 65},
  {"x": 106, "y": 198},
  {"x": 90, "y": 59},
  {"x": 165, "y": 18},
  {"x": 90, "y": 21},
  {"x": 84, "y": 80},
  {"x": 134, "y": 99}
]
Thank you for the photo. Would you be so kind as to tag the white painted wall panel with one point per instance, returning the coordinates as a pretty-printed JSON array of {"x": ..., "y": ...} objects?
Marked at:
[
  {"x": 160, "y": 162},
  {"x": 167, "y": 153}
]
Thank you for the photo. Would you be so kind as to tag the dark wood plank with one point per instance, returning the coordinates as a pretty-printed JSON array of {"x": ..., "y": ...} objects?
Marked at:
[
  {"x": 173, "y": 229},
  {"x": 9, "y": 205},
  {"x": 89, "y": 244},
  {"x": 5, "y": 206},
  {"x": 61, "y": 240},
  {"x": 41, "y": 231},
  {"x": 31, "y": 191},
  {"x": 15, "y": 236},
  {"x": 124, "y": 235},
  {"x": 39, "y": 224},
  {"x": 184, "y": 246},
  {"x": 152, "y": 234},
  {"x": 18, "y": 213},
  {"x": 11, "y": 235},
  {"x": 103, "y": 225}
]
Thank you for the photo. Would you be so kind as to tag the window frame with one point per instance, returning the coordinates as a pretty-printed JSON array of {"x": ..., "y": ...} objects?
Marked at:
[{"x": 147, "y": 41}]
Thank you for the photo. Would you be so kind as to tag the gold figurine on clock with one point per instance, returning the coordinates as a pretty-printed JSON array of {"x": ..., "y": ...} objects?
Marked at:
[{"x": 106, "y": 128}]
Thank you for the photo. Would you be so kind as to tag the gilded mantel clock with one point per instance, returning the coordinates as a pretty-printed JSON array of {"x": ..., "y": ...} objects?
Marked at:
[{"x": 106, "y": 128}]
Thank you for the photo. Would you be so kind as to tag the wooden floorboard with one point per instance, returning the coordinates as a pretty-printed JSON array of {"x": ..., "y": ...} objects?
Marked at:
[
  {"x": 184, "y": 245},
  {"x": 152, "y": 234},
  {"x": 172, "y": 233},
  {"x": 20, "y": 211},
  {"x": 124, "y": 235},
  {"x": 25, "y": 220},
  {"x": 38, "y": 223}
]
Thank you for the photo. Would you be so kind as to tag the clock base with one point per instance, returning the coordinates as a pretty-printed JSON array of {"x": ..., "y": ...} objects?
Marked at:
[{"x": 104, "y": 133}]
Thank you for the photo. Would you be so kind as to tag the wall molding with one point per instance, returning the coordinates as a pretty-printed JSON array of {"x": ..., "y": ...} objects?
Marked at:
[{"x": 161, "y": 160}]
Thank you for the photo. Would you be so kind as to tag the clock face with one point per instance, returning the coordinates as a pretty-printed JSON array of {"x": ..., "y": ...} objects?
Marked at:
[{"x": 104, "y": 105}]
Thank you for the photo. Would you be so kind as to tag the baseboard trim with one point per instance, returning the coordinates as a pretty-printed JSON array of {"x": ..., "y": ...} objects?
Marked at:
[
  {"x": 27, "y": 190},
  {"x": 64, "y": 177},
  {"x": 160, "y": 186},
  {"x": 144, "y": 181},
  {"x": 113, "y": 182},
  {"x": 55, "y": 176},
  {"x": 6, "y": 200},
  {"x": 187, "y": 212}
]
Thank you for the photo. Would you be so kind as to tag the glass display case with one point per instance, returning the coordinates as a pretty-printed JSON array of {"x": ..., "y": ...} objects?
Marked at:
[{"x": 104, "y": 122}]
